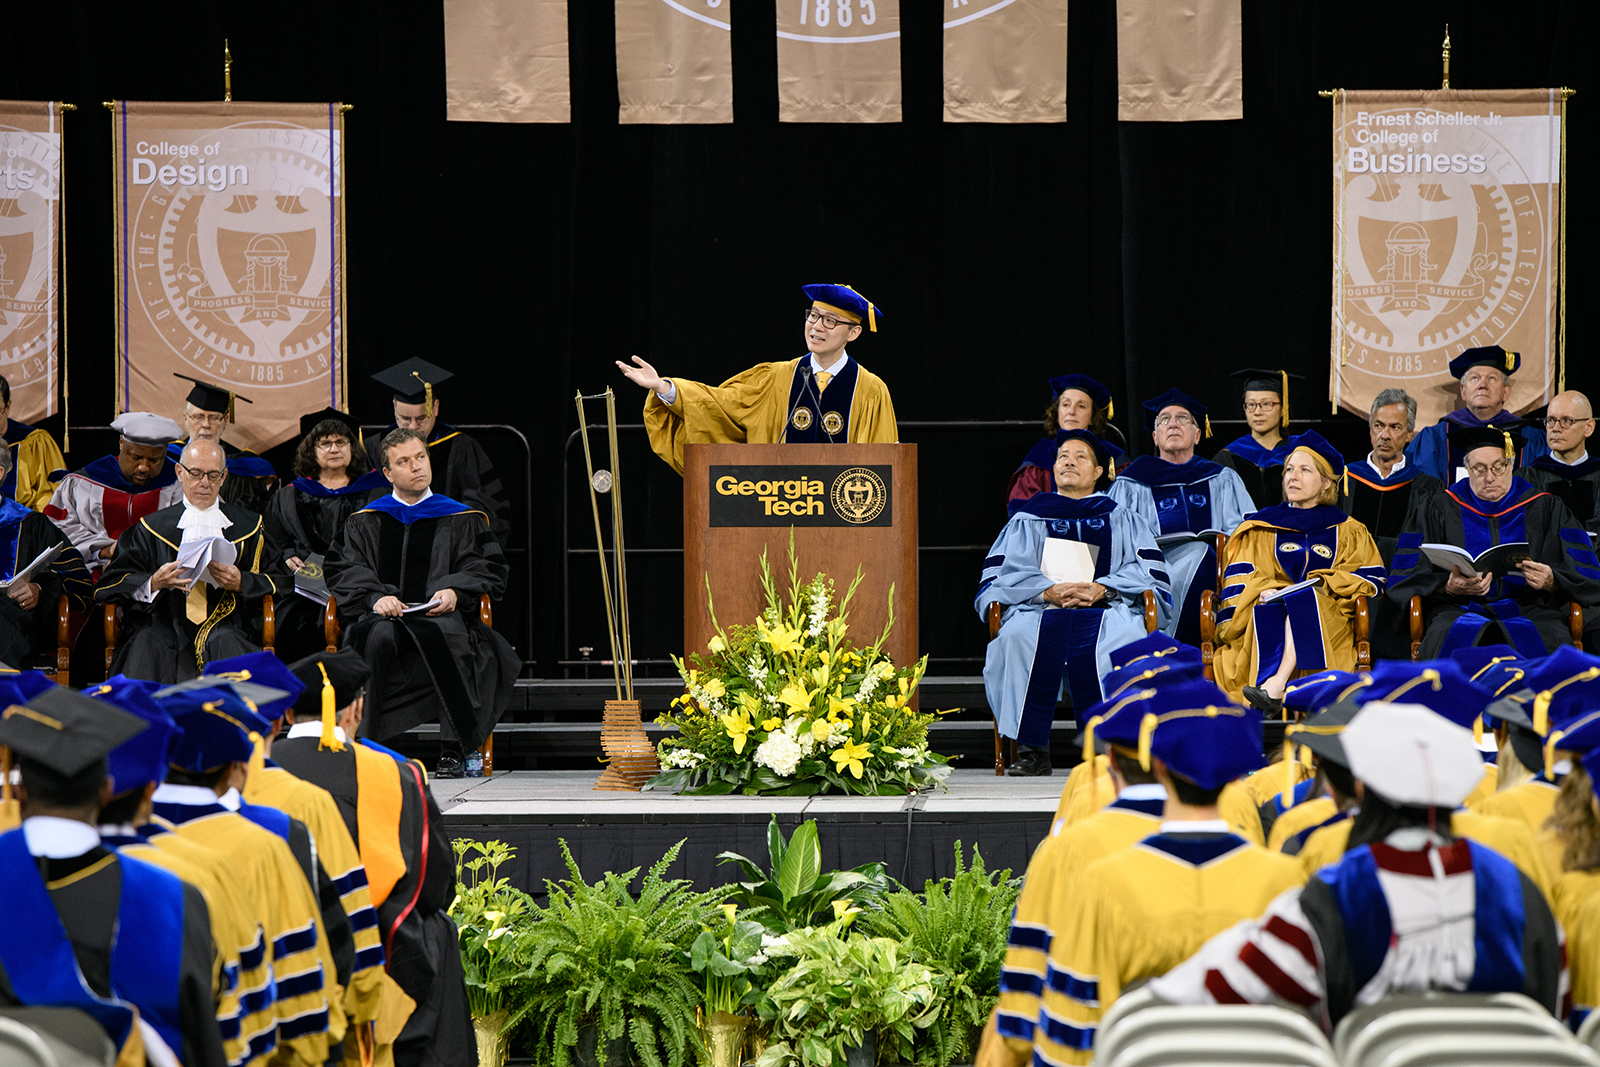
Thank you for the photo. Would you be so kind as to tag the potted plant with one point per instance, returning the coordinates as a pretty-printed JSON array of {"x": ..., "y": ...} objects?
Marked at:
[
  {"x": 725, "y": 956},
  {"x": 794, "y": 892},
  {"x": 492, "y": 919}
]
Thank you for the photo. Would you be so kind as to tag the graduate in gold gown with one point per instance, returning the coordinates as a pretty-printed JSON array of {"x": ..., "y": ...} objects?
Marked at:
[
  {"x": 1270, "y": 624},
  {"x": 825, "y": 397}
]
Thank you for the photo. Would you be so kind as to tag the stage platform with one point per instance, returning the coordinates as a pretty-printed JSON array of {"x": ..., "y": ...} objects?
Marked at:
[{"x": 913, "y": 835}]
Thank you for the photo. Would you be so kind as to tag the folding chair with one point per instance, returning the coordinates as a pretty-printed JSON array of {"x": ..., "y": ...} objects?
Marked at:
[
  {"x": 72, "y": 1037},
  {"x": 1221, "y": 1050},
  {"x": 1373, "y": 1046},
  {"x": 1231, "y": 1021},
  {"x": 1362, "y": 1017},
  {"x": 1482, "y": 1051}
]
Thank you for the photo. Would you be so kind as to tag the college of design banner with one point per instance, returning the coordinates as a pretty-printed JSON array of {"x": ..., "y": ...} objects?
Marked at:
[
  {"x": 230, "y": 259},
  {"x": 30, "y": 254},
  {"x": 838, "y": 60},
  {"x": 1179, "y": 62},
  {"x": 1446, "y": 236},
  {"x": 674, "y": 61},
  {"x": 1005, "y": 61},
  {"x": 506, "y": 61}
]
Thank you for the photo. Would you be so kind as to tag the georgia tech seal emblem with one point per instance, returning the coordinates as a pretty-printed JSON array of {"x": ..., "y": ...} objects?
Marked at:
[
  {"x": 859, "y": 495},
  {"x": 1323, "y": 550},
  {"x": 832, "y": 423},
  {"x": 801, "y": 419},
  {"x": 309, "y": 570}
]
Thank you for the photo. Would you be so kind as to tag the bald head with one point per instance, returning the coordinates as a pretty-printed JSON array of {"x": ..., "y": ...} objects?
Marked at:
[
  {"x": 201, "y": 470},
  {"x": 1567, "y": 425}
]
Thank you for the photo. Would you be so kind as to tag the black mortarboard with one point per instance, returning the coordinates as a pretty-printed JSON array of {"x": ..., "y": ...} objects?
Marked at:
[
  {"x": 413, "y": 381},
  {"x": 1270, "y": 381},
  {"x": 1506, "y": 363},
  {"x": 65, "y": 731},
  {"x": 312, "y": 421},
  {"x": 208, "y": 397},
  {"x": 1320, "y": 733},
  {"x": 1502, "y": 435},
  {"x": 346, "y": 671}
]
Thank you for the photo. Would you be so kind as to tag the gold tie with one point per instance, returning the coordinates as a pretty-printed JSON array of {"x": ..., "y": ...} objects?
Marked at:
[
  {"x": 195, "y": 603},
  {"x": 823, "y": 378}
]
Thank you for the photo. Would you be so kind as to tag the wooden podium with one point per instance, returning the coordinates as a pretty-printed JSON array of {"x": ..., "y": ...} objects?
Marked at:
[{"x": 849, "y": 506}]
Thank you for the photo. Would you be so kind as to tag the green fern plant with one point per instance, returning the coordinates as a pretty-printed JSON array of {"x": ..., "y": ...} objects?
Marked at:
[
  {"x": 604, "y": 958},
  {"x": 957, "y": 928}
]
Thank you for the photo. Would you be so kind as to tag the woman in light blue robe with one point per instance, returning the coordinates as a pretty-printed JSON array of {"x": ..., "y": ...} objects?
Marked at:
[{"x": 1042, "y": 647}]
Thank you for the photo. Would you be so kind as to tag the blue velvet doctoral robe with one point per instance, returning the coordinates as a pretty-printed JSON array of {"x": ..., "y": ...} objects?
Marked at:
[{"x": 1430, "y": 449}]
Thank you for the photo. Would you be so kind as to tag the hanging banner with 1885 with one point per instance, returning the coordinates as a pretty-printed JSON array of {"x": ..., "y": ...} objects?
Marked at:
[
  {"x": 1446, "y": 236},
  {"x": 30, "y": 254},
  {"x": 230, "y": 259}
]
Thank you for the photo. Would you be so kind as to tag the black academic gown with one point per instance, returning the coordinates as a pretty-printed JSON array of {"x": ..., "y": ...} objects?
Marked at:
[
  {"x": 158, "y": 641},
  {"x": 24, "y": 534},
  {"x": 1383, "y": 505},
  {"x": 421, "y": 944},
  {"x": 1457, "y": 517},
  {"x": 464, "y": 668},
  {"x": 1260, "y": 469},
  {"x": 461, "y": 471},
  {"x": 89, "y": 909},
  {"x": 1576, "y": 485}
]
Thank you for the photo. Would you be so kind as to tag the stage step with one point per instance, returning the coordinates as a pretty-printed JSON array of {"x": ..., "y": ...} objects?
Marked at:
[{"x": 581, "y": 699}]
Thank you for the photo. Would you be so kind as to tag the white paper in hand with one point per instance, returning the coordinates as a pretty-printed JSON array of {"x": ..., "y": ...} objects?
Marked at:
[
  {"x": 1276, "y": 594},
  {"x": 26, "y": 573},
  {"x": 195, "y": 556},
  {"x": 1068, "y": 561},
  {"x": 429, "y": 606}
]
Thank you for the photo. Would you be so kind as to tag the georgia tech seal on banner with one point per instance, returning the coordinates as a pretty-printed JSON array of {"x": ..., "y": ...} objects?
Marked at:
[
  {"x": 801, "y": 495},
  {"x": 1447, "y": 235},
  {"x": 30, "y": 254},
  {"x": 230, "y": 258}
]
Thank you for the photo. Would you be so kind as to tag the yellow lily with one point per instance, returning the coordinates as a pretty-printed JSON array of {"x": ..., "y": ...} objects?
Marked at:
[
  {"x": 716, "y": 644},
  {"x": 891, "y": 701},
  {"x": 838, "y": 706},
  {"x": 781, "y": 640},
  {"x": 795, "y": 696},
  {"x": 849, "y": 757},
  {"x": 823, "y": 656},
  {"x": 738, "y": 726},
  {"x": 730, "y": 910},
  {"x": 866, "y": 722},
  {"x": 820, "y": 730},
  {"x": 714, "y": 688},
  {"x": 821, "y": 675},
  {"x": 843, "y": 912},
  {"x": 905, "y": 687}
]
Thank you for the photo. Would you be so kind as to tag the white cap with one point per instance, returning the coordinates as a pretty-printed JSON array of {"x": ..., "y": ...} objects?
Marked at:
[
  {"x": 147, "y": 428},
  {"x": 1411, "y": 755}
]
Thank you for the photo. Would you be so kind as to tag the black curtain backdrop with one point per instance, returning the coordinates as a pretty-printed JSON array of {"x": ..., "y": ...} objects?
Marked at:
[{"x": 527, "y": 257}]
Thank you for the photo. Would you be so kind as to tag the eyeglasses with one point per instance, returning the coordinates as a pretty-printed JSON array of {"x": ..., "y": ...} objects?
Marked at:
[
  {"x": 206, "y": 418},
  {"x": 1182, "y": 419},
  {"x": 829, "y": 322},
  {"x": 1562, "y": 424},
  {"x": 213, "y": 477},
  {"x": 1260, "y": 405},
  {"x": 1499, "y": 468},
  {"x": 332, "y": 443}
]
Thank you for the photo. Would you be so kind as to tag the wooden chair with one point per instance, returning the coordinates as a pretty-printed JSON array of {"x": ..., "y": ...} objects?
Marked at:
[
  {"x": 63, "y": 642},
  {"x": 113, "y": 632},
  {"x": 1005, "y": 748},
  {"x": 1574, "y": 625},
  {"x": 332, "y": 631},
  {"x": 1208, "y": 630}
]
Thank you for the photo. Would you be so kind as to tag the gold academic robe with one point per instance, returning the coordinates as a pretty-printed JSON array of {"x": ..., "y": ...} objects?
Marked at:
[
  {"x": 34, "y": 455},
  {"x": 1532, "y": 802},
  {"x": 1140, "y": 912},
  {"x": 753, "y": 408},
  {"x": 1267, "y": 553},
  {"x": 1570, "y": 894},
  {"x": 1267, "y": 783},
  {"x": 1582, "y": 928},
  {"x": 1485, "y": 788},
  {"x": 1301, "y": 817},
  {"x": 1235, "y": 804},
  {"x": 1509, "y": 837}
]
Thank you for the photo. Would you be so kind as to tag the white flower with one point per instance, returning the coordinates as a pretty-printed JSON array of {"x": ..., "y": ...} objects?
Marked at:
[
  {"x": 681, "y": 757},
  {"x": 779, "y": 752},
  {"x": 819, "y": 611},
  {"x": 886, "y": 670}
]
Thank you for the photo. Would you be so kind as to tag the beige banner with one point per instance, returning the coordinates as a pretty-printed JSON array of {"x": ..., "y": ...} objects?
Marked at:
[
  {"x": 1179, "y": 60},
  {"x": 506, "y": 61},
  {"x": 230, "y": 259},
  {"x": 838, "y": 60},
  {"x": 674, "y": 61},
  {"x": 1446, "y": 236},
  {"x": 30, "y": 254},
  {"x": 1005, "y": 61}
]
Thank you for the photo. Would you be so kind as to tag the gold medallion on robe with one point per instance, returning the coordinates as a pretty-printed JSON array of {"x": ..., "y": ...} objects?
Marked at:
[
  {"x": 833, "y": 423},
  {"x": 801, "y": 420},
  {"x": 1323, "y": 550}
]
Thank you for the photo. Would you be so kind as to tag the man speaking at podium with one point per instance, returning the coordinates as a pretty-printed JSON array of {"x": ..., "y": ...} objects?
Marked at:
[{"x": 824, "y": 398}]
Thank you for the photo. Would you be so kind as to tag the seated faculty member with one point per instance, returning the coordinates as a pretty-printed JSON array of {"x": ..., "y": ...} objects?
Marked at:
[
  {"x": 28, "y": 608},
  {"x": 464, "y": 470},
  {"x": 1186, "y": 499},
  {"x": 173, "y": 626},
  {"x": 1569, "y": 473},
  {"x": 825, "y": 397},
  {"x": 1077, "y": 402},
  {"x": 34, "y": 458},
  {"x": 1059, "y": 631},
  {"x": 416, "y": 547},
  {"x": 206, "y": 412},
  {"x": 1257, "y": 457},
  {"x": 1527, "y": 606},
  {"x": 95, "y": 505},
  {"x": 1485, "y": 376},
  {"x": 1265, "y": 634}
]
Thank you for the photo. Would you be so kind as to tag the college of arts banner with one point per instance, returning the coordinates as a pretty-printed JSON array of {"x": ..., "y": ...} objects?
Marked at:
[
  {"x": 230, "y": 263},
  {"x": 838, "y": 60},
  {"x": 1005, "y": 61},
  {"x": 674, "y": 61},
  {"x": 1179, "y": 62},
  {"x": 506, "y": 61},
  {"x": 1446, "y": 236},
  {"x": 30, "y": 254}
]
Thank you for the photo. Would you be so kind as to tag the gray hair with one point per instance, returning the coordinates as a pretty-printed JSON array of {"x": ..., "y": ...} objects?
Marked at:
[{"x": 1396, "y": 396}]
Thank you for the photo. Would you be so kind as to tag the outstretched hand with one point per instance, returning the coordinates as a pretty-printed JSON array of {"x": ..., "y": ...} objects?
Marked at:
[{"x": 643, "y": 374}]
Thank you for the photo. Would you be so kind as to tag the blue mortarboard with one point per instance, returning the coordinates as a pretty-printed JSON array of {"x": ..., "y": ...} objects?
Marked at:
[
  {"x": 145, "y": 757},
  {"x": 1099, "y": 394},
  {"x": 1154, "y": 644},
  {"x": 216, "y": 728},
  {"x": 1591, "y": 763},
  {"x": 1315, "y": 443},
  {"x": 1439, "y": 685},
  {"x": 29, "y": 683},
  {"x": 241, "y": 465},
  {"x": 1566, "y": 685},
  {"x": 1314, "y": 692},
  {"x": 1184, "y": 664},
  {"x": 1477, "y": 659},
  {"x": 1487, "y": 356},
  {"x": 1177, "y": 397},
  {"x": 843, "y": 300},
  {"x": 1208, "y": 743},
  {"x": 262, "y": 668},
  {"x": 1102, "y": 452}
]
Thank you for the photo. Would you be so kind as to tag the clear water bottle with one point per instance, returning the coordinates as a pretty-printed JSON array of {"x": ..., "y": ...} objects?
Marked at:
[{"x": 474, "y": 765}]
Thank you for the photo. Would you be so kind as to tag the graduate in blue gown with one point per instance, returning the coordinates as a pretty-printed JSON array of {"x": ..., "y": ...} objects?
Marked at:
[
  {"x": 1059, "y": 633},
  {"x": 1186, "y": 499},
  {"x": 1485, "y": 375}
]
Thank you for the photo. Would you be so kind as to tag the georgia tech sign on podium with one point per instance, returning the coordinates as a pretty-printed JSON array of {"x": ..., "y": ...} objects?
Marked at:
[{"x": 798, "y": 495}]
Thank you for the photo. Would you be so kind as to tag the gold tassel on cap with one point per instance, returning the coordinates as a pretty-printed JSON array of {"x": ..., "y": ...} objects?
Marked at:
[
  {"x": 1288, "y": 770},
  {"x": 329, "y": 739},
  {"x": 1541, "y": 713},
  {"x": 1477, "y": 730},
  {"x": 1283, "y": 408},
  {"x": 1208, "y": 425},
  {"x": 1111, "y": 409},
  {"x": 258, "y": 753},
  {"x": 1147, "y": 731},
  {"x": 230, "y": 407},
  {"x": 1088, "y": 757},
  {"x": 1511, "y": 362},
  {"x": 427, "y": 392},
  {"x": 1511, "y": 451},
  {"x": 1550, "y": 754},
  {"x": 872, "y": 312}
]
